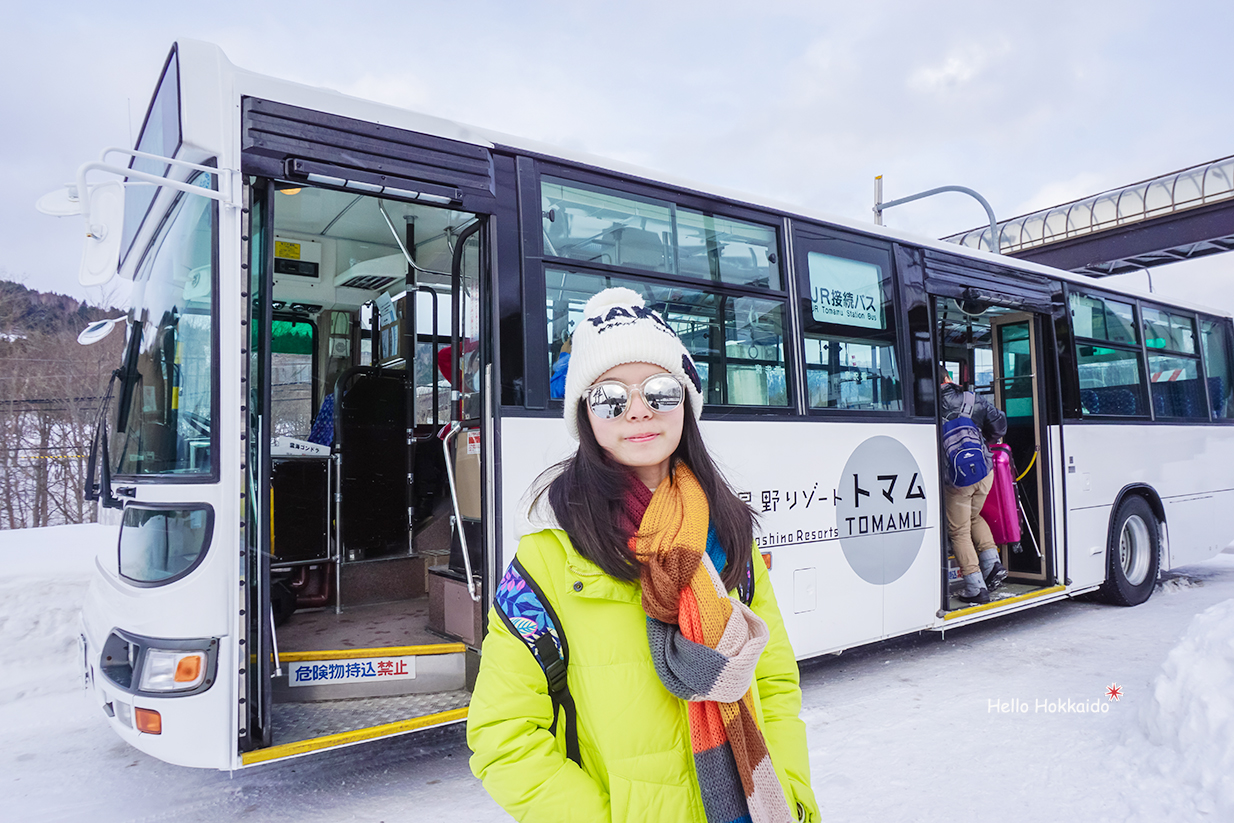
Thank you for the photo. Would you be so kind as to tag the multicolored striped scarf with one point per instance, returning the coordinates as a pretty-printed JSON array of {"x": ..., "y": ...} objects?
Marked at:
[{"x": 705, "y": 645}]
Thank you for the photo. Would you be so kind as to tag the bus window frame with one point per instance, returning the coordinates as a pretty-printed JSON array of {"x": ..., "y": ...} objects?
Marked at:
[
  {"x": 809, "y": 232},
  {"x": 1142, "y": 348},
  {"x": 636, "y": 189},
  {"x": 1197, "y": 356},
  {"x": 292, "y": 317},
  {"x": 207, "y": 540},
  {"x": 536, "y": 262},
  {"x": 1228, "y": 324},
  {"x": 216, "y": 385},
  {"x": 173, "y": 58}
]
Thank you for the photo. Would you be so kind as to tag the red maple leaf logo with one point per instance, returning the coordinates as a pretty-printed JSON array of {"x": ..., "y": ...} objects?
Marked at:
[{"x": 1114, "y": 692}]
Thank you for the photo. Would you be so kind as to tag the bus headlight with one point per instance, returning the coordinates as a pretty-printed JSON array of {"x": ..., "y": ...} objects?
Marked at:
[{"x": 165, "y": 670}]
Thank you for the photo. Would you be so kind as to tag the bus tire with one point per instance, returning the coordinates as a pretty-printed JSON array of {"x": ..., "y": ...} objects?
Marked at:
[{"x": 1133, "y": 553}]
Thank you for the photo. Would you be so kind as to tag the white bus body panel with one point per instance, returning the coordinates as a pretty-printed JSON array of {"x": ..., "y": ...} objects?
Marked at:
[
  {"x": 197, "y": 730},
  {"x": 836, "y": 587},
  {"x": 1189, "y": 467}
]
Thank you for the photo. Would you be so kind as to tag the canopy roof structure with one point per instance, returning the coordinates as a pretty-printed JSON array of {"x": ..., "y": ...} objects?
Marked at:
[{"x": 1177, "y": 216}]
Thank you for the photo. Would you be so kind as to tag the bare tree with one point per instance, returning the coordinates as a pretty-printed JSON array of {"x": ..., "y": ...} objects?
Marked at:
[{"x": 50, "y": 390}]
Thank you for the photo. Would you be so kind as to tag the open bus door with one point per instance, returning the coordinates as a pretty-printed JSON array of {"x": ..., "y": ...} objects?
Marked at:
[
  {"x": 382, "y": 644},
  {"x": 1018, "y": 392},
  {"x": 997, "y": 352},
  {"x": 456, "y": 589}
]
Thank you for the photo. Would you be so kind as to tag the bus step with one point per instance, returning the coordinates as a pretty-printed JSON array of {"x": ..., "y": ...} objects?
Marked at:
[
  {"x": 347, "y": 674},
  {"x": 301, "y": 728}
]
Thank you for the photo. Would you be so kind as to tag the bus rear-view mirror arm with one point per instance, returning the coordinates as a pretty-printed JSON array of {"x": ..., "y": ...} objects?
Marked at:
[{"x": 102, "y": 205}]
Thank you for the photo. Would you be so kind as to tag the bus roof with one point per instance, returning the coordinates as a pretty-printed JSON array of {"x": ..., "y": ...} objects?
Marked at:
[{"x": 247, "y": 83}]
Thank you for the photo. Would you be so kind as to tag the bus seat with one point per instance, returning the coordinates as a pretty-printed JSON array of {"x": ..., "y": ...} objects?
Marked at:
[
  {"x": 322, "y": 432},
  {"x": 1122, "y": 401},
  {"x": 1216, "y": 396},
  {"x": 639, "y": 248},
  {"x": 1159, "y": 402},
  {"x": 370, "y": 425},
  {"x": 1090, "y": 401}
]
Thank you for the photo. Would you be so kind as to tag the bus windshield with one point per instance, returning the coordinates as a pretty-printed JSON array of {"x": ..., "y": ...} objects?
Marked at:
[{"x": 164, "y": 420}]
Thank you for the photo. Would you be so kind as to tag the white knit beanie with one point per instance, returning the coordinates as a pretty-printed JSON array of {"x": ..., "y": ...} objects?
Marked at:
[{"x": 617, "y": 328}]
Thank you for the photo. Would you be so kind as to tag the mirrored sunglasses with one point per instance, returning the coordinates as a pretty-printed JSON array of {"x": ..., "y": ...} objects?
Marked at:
[{"x": 661, "y": 392}]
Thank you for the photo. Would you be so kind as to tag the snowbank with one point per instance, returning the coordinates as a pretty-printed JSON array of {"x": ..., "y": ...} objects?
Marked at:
[
  {"x": 54, "y": 551},
  {"x": 44, "y": 574},
  {"x": 1191, "y": 715}
]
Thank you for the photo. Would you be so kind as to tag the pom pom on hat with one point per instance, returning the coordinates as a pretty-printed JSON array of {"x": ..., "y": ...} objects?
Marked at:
[{"x": 618, "y": 328}]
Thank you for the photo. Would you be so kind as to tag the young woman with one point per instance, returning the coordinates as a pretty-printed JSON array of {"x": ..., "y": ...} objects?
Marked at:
[{"x": 684, "y": 699}]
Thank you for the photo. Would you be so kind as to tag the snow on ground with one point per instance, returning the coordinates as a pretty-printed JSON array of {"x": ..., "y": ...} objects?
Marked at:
[{"x": 1007, "y": 720}]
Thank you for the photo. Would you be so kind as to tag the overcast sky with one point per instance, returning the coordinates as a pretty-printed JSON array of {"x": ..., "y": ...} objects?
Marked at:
[{"x": 1031, "y": 104}]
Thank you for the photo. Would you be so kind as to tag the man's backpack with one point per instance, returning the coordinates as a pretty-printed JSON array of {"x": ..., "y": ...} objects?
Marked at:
[{"x": 963, "y": 446}]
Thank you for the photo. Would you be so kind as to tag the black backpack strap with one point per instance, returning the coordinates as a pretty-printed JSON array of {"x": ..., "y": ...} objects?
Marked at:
[
  {"x": 745, "y": 589},
  {"x": 529, "y": 616}
]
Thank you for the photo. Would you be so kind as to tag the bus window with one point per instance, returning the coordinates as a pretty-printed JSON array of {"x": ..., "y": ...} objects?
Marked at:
[
  {"x": 292, "y": 343},
  {"x": 850, "y": 335},
  {"x": 596, "y": 225},
  {"x": 1110, "y": 364},
  {"x": 1110, "y": 381},
  {"x": 166, "y": 425},
  {"x": 159, "y": 544},
  {"x": 1101, "y": 319},
  {"x": 1217, "y": 364},
  {"x": 737, "y": 342},
  {"x": 726, "y": 250},
  {"x": 1173, "y": 364},
  {"x": 605, "y": 227}
]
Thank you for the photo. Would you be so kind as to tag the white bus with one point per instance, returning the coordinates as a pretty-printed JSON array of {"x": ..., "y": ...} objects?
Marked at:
[{"x": 346, "y": 330}]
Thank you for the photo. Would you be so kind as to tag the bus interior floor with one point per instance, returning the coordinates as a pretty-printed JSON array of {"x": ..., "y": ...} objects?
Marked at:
[
  {"x": 1003, "y": 592},
  {"x": 401, "y": 623},
  {"x": 294, "y": 722}
]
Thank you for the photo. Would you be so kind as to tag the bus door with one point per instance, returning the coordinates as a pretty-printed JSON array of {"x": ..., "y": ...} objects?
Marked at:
[
  {"x": 456, "y": 581},
  {"x": 366, "y": 396},
  {"x": 996, "y": 352},
  {"x": 1017, "y": 391}
]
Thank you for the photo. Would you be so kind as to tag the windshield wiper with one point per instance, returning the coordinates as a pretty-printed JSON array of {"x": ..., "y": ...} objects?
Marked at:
[
  {"x": 127, "y": 374},
  {"x": 102, "y": 489}
]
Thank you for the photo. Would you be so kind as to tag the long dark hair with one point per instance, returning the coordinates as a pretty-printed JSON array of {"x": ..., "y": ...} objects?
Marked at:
[{"x": 587, "y": 494}]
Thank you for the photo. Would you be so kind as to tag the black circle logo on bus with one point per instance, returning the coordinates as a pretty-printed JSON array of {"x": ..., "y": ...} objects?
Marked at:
[{"x": 881, "y": 510}]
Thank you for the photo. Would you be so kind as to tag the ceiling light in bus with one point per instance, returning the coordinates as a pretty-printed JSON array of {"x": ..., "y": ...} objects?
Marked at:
[
  {"x": 148, "y": 721},
  {"x": 373, "y": 188},
  {"x": 169, "y": 670}
]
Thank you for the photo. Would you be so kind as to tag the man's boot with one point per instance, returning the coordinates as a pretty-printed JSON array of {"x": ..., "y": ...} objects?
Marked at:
[
  {"x": 992, "y": 569},
  {"x": 974, "y": 590}
]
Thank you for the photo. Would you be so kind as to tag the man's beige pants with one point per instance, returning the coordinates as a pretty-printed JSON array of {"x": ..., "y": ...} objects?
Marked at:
[{"x": 965, "y": 525}]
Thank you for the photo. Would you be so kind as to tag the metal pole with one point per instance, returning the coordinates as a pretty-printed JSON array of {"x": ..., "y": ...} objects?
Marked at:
[{"x": 880, "y": 207}]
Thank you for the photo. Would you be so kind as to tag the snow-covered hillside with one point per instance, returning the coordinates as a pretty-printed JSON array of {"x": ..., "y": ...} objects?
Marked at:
[{"x": 1009, "y": 720}]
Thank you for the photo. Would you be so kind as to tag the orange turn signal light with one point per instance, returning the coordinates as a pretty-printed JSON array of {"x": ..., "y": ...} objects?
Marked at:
[
  {"x": 188, "y": 669},
  {"x": 767, "y": 559},
  {"x": 148, "y": 721}
]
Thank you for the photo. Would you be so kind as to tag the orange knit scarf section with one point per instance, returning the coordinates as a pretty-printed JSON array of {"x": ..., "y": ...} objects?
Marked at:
[{"x": 680, "y": 589}]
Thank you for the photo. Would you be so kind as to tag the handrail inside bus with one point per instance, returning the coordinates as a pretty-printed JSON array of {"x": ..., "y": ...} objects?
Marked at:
[
  {"x": 455, "y": 427},
  {"x": 381, "y": 207}
]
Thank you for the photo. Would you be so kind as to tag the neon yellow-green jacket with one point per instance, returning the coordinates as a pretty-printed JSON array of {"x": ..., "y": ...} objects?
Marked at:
[{"x": 633, "y": 734}]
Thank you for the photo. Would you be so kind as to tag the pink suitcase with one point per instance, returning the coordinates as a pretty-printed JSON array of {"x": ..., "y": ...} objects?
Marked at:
[{"x": 999, "y": 511}]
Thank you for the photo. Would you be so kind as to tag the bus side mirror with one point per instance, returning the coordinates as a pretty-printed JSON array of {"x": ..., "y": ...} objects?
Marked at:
[
  {"x": 103, "y": 210},
  {"x": 104, "y": 220}
]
